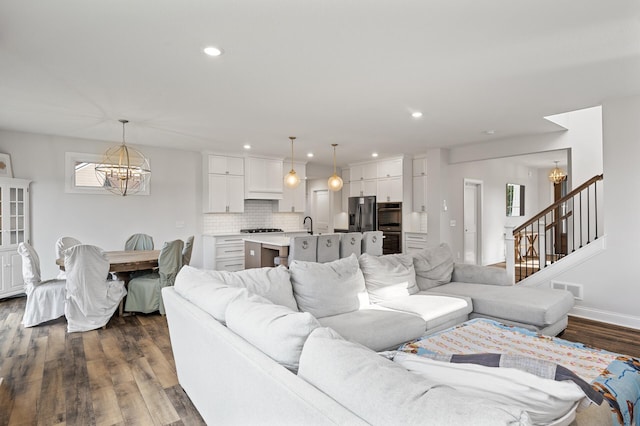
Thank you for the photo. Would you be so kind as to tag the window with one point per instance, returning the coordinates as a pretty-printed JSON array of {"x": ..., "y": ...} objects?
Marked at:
[{"x": 81, "y": 176}]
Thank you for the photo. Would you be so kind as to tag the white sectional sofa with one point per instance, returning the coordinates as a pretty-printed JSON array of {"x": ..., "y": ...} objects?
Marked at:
[{"x": 240, "y": 338}]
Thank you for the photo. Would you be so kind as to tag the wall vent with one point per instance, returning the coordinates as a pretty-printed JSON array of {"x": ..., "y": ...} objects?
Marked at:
[{"x": 573, "y": 288}]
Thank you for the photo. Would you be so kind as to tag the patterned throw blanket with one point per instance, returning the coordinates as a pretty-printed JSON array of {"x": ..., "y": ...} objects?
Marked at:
[{"x": 615, "y": 376}]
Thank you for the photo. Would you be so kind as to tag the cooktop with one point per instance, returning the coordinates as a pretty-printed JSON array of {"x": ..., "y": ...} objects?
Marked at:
[{"x": 259, "y": 230}]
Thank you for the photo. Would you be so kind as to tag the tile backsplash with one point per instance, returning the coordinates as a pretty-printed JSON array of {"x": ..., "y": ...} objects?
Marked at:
[{"x": 257, "y": 214}]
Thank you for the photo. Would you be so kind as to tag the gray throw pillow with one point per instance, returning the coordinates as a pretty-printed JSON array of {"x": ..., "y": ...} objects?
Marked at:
[
  {"x": 388, "y": 277},
  {"x": 433, "y": 266}
]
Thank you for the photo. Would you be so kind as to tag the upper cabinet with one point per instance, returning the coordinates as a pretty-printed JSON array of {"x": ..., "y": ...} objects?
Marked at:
[
  {"x": 420, "y": 184},
  {"x": 263, "y": 178},
  {"x": 224, "y": 184},
  {"x": 389, "y": 168},
  {"x": 383, "y": 178},
  {"x": 294, "y": 200}
]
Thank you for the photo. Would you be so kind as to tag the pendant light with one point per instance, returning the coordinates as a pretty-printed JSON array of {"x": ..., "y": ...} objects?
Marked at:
[
  {"x": 292, "y": 180},
  {"x": 557, "y": 175},
  {"x": 335, "y": 181},
  {"x": 123, "y": 169}
]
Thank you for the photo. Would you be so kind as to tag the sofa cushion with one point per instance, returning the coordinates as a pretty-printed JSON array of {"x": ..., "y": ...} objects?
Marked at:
[
  {"x": 479, "y": 274},
  {"x": 434, "y": 309},
  {"x": 545, "y": 399},
  {"x": 331, "y": 288},
  {"x": 433, "y": 266},
  {"x": 388, "y": 277},
  {"x": 205, "y": 291},
  {"x": 378, "y": 329},
  {"x": 276, "y": 330},
  {"x": 537, "y": 306},
  {"x": 383, "y": 393},
  {"x": 271, "y": 283}
]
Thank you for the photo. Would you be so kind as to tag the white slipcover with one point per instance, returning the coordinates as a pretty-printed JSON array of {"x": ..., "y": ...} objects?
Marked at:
[
  {"x": 91, "y": 298},
  {"x": 62, "y": 244},
  {"x": 45, "y": 299},
  {"x": 372, "y": 243},
  {"x": 139, "y": 242},
  {"x": 186, "y": 251},
  {"x": 350, "y": 243},
  {"x": 144, "y": 291},
  {"x": 328, "y": 248},
  {"x": 303, "y": 248}
]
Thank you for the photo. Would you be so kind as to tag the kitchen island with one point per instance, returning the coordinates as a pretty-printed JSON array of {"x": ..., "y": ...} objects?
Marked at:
[{"x": 261, "y": 250}]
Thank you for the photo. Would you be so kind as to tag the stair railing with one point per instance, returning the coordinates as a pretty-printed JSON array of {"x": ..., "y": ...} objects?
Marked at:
[{"x": 565, "y": 226}]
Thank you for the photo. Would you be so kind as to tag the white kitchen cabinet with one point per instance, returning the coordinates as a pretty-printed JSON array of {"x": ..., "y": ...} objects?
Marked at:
[
  {"x": 361, "y": 188},
  {"x": 364, "y": 171},
  {"x": 14, "y": 229},
  {"x": 224, "y": 252},
  {"x": 224, "y": 184},
  {"x": 414, "y": 241},
  {"x": 420, "y": 184},
  {"x": 389, "y": 168},
  {"x": 263, "y": 178},
  {"x": 389, "y": 189},
  {"x": 294, "y": 200}
]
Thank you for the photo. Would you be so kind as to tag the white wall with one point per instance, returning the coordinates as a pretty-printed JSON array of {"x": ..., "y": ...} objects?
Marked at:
[{"x": 105, "y": 220}]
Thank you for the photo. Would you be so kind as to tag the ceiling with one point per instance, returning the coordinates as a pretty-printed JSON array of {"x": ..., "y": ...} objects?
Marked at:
[{"x": 326, "y": 71}]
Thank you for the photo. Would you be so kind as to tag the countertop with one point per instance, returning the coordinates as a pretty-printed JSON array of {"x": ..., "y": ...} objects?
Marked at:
[{"x": 272, "y": 240}]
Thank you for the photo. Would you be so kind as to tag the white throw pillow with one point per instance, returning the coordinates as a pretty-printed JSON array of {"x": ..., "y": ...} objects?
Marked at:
[
  {"x": 326, "y": 289},
  {"x": 544, "y": 399},
  {"x": 433, "y": 266},
  {"x": 276, "y": 330},
  {"x": 384, "y": 393},
  {"x": 202, "y": 289},
  {"x": 388, "y": 277}
]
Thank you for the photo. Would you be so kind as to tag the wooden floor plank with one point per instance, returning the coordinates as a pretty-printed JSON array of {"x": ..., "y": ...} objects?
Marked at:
[
  {"x": 163, "y": 369},
  {"x": 52, "y": 401},
  {"x": 154, "y": 396},
  {"x": 132, "y": 404},
  {"x": 26, "y": 396}
]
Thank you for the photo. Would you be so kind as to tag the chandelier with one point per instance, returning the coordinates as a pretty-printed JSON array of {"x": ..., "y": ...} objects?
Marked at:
[
  {"x": 291, "y": 179},
  {"x": 123, "y": 169},
  {"x": 557, "y": 175},
  {"x": 335, "y": 181}
]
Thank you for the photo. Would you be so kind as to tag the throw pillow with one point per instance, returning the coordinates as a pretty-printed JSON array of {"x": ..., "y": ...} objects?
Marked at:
[
  {"x": 544, "y": 399},
  {"x": 384, "y": 393},
  {"x": 433, "y": 266},
  {"x": 276, "y": 330},
  {"x": 388, "y": 277},
  {"x": 326, "y": 289}
]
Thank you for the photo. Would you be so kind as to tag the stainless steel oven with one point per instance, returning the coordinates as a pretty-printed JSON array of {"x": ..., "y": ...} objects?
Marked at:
[{"x": 390, "y": 223}]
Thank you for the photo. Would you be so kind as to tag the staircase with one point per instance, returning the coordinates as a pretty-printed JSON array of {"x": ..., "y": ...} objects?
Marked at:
[{"x": 565, "y": 227}]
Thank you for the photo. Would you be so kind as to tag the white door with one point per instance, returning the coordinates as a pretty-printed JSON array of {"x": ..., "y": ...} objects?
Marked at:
[
  {"x": 472, "y": 203},
  {"x": 321, "y": 211}
]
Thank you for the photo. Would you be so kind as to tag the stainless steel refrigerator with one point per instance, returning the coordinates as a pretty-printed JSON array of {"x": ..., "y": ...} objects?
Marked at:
[{"x": 363, "y": 214}]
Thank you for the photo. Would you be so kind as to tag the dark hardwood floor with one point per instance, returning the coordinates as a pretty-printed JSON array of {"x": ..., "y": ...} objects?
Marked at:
[
  {"x": 125, "y": 374},
  {"x": 122, "y": 375}
]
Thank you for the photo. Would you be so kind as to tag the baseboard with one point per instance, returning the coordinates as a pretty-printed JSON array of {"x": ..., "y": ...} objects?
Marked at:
[{"x": 615, "y": 318}]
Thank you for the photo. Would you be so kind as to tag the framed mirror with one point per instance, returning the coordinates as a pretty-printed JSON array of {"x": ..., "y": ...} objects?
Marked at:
[{"x": 515, "y": 199}]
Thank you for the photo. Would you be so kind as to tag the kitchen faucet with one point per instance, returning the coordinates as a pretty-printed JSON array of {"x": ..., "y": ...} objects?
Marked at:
[{"x": 304, "y": 222}]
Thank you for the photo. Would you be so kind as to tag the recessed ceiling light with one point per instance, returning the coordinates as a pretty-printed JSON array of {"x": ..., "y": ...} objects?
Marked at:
[
  {"x": 374, "y": 154},
  {"x": 416, "y": 114},
  {"x": 309, "y": 154},
  {"x": 489, "y": 132},
  {"x": 213, "y": 51},
  {"x": 246, "y": 146}
]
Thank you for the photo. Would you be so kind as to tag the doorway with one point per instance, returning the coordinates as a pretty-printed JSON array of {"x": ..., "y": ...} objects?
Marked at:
[
  {"x": 321, "y": 210},
  {"x": 472, "y": 214}
]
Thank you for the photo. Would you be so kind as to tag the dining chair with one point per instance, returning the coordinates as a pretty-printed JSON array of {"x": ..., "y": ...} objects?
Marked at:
[
  {"x": 91, "y": 298},
  {"x": 372, "y": 243},
  {"x": 62, "y": 244},
  {"x": 350, "y": 243},
  {"x": 186, "y": 252},
  {"x": 328, "y": 248},
  {"x": 145, "y": 291},
  {"x": 45, "y": 299},
  {"x": 303, "y": 248},
  {"x": 139, "y": 242}
]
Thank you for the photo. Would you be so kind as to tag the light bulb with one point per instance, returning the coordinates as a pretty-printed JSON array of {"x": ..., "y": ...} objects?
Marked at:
[
  {"x": 335, "y": 183},
  {"x": 291, "y": 179}
]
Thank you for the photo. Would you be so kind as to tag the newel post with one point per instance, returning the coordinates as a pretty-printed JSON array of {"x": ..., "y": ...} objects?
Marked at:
[{"x": 510, "y": 253}]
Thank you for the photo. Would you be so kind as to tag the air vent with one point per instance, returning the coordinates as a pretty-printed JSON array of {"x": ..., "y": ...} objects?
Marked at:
[{"x": 575, "y": 289}]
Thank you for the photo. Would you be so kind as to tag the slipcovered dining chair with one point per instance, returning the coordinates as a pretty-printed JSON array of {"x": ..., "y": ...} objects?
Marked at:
[
  {"x": 186, "y": 251},
  {"x": 91, "y": 298},
  {"x": 372, "y": 243},
  {"x": 62, "y": 244},
  {"x": 139, "y": 242},
  {"x": 45, "y": 299},
  {"x": 350, "y": 243},
  {"x": 145, "y": 291}
]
